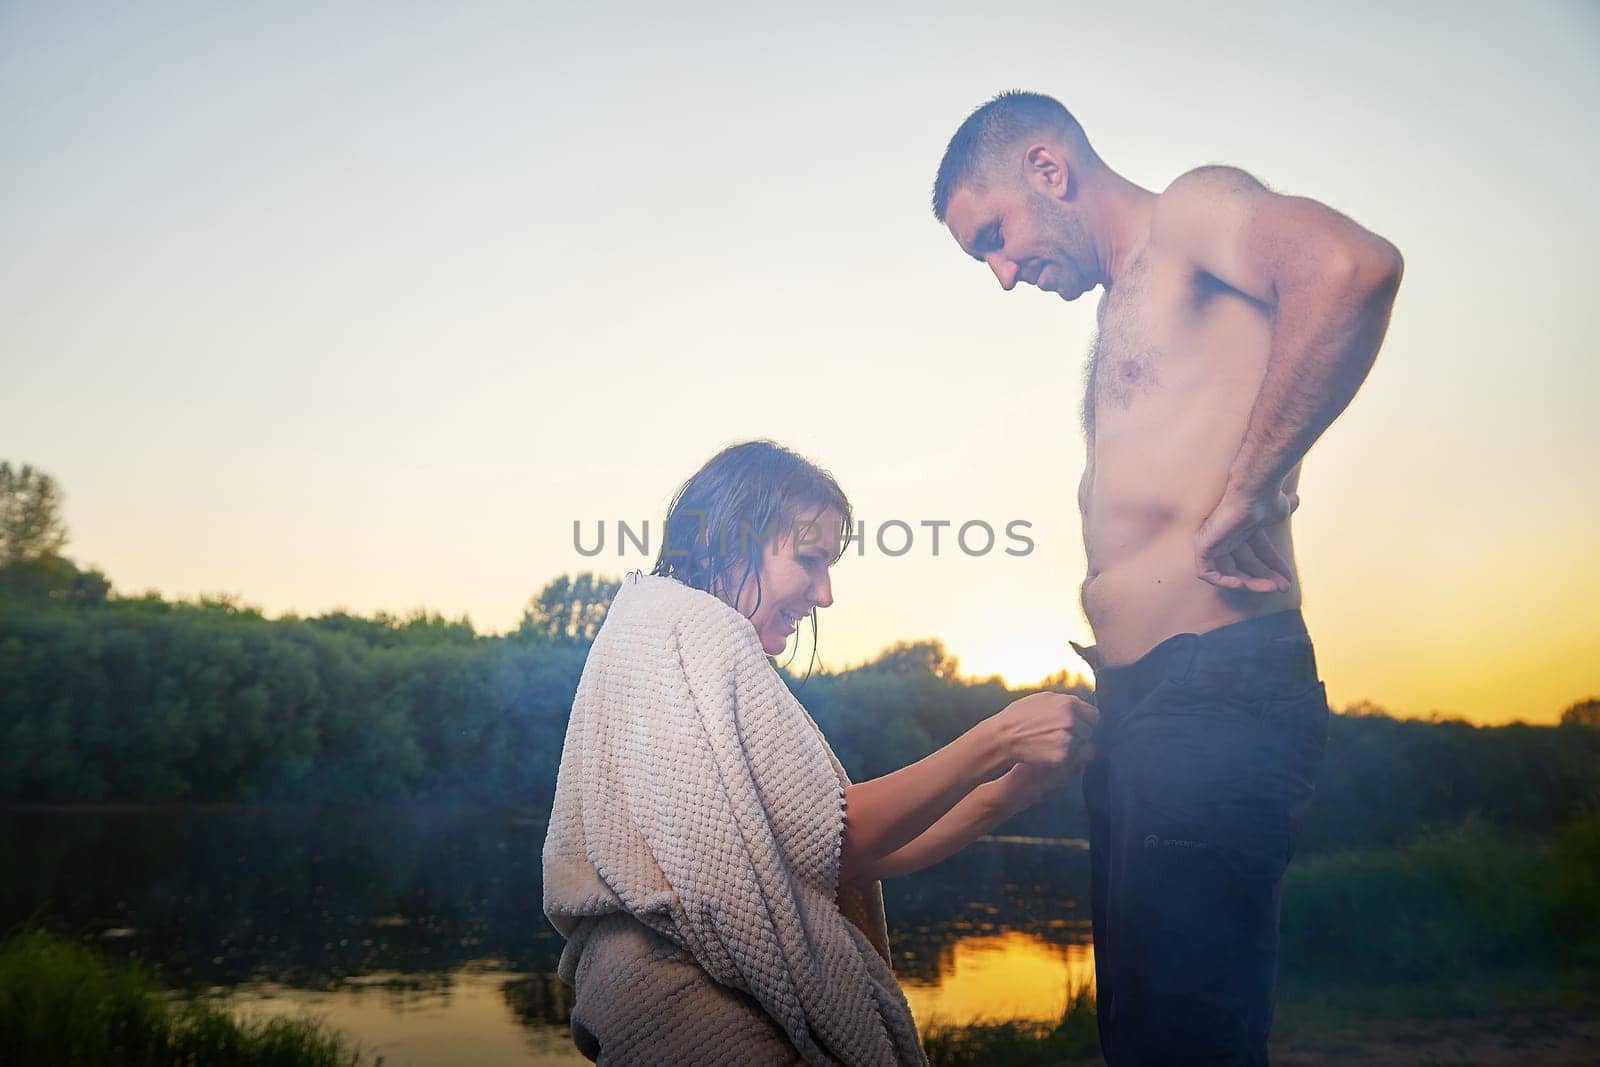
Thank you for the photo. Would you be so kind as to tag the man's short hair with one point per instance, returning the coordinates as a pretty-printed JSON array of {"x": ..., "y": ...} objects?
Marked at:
[{"x": 996, "y": 126}]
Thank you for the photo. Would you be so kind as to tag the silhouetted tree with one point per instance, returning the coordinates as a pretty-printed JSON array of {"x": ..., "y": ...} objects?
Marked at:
[
  {"x": 1065, "y": 681},
  {"x": 927, "y": 656},
  {"x": 30, "y": 514},
  {"x": 1583, "y": 713},
  {"x": 570, "y": 608},
  {"x": 53, "y": 579},
  {"x": 90, "y": 588},
  {"x": 421, "y": 627}
]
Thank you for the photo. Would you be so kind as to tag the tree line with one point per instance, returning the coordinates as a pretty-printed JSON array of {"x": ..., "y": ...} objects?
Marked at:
[
  {"x": 141, "y": 699},
  {"x": 149, "y": 700}
]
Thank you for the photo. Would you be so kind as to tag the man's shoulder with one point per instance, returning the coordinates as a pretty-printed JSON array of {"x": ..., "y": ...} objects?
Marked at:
[
  {"x": 1213, "y": 179},
  {"x": 1202, "y": 194},
  {"x": 1213, "y": 219},
  {"x": 1216, "y": 221}
]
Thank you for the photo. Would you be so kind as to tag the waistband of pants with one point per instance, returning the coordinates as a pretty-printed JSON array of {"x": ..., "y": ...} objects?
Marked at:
[{"x": 1275, "y": 645}]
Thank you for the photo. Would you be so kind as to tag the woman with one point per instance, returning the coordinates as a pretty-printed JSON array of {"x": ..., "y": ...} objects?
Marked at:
[{"x": 713, "y": 869}]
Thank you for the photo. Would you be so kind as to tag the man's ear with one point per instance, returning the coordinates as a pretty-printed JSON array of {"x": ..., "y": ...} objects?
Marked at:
[{"x": 1045, "y": 170}]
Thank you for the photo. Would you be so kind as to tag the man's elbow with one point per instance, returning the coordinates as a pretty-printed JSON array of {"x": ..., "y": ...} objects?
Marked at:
[
  {"x": 1373, "y": 268},
  {"x": 1382, "y": 267},
  {"x": 1368, "y": 272}
]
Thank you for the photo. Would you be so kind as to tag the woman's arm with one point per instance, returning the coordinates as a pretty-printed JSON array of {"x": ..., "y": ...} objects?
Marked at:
[
  {"x": 979, "y": 812},
  {"x": 886, "y": 814},
  {"x": 882, "y": 815}
]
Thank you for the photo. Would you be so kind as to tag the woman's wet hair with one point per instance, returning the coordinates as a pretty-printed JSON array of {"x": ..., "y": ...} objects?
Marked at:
[{"x": 746, "y": 496}]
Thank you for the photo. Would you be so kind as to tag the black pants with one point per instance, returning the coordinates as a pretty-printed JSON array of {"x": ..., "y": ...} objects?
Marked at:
[{"x": 1207, "y": 752}]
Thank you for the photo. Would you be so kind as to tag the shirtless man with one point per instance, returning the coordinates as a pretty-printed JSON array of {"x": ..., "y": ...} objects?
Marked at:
[{"x": 1236, "y": 325}]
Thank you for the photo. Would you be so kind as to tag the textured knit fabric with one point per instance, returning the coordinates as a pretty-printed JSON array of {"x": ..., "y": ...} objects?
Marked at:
[{"x": 697, "y": 798}]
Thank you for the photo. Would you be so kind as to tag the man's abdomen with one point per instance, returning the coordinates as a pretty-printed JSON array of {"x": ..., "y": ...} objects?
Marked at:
[
  {"x": 1159, "y": 462},
  {"x": 1143, "y": 588}
]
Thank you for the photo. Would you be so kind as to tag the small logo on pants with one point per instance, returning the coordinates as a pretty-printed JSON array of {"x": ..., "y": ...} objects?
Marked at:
[{"x": 1152, "y": 841}]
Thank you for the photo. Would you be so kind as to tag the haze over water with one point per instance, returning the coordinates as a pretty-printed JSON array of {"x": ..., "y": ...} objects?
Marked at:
[{"x": 418, "y": 933}]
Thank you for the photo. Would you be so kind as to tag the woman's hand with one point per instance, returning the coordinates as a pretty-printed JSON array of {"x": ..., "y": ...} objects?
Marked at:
[
  {"x": 1045, "y": 728},
  {"x": 1028, "y": 783},
  {"x": 922, "y": 813},
  {"x": 981, "y": 810}
]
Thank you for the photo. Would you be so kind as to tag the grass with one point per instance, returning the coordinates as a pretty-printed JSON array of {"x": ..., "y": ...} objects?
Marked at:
[
  {"x": 1022, "y": 1043},
  {"x": 1464, "y": 907},
  {"x": 1469, "y": 925},
  {"x": 1466, "y": 925},
  {"x": 60, "y": 1003}
]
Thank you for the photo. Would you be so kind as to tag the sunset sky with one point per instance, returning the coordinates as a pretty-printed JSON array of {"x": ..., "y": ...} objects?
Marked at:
[{"x": 360, "y": 306}]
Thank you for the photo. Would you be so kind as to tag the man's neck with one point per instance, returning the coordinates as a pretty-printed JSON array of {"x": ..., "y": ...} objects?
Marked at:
[{"x": 1126, "y": 209}]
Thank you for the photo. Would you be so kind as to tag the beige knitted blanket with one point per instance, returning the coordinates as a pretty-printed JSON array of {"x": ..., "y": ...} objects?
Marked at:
[{"x": 697, "y": 797}]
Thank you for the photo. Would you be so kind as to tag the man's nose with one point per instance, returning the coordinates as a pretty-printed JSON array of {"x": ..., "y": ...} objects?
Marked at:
[{"x": 1005, "y": 272}]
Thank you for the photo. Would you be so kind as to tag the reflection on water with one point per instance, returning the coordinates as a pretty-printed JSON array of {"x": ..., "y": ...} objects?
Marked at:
[
  {"x": 419, "y": 933},
  {"x": 1007, "y": 976},
  {"x": 465, "y": 1019}
]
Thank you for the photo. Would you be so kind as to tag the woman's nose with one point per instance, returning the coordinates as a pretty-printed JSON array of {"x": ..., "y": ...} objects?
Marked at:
[{"x": 822, "y": 591}]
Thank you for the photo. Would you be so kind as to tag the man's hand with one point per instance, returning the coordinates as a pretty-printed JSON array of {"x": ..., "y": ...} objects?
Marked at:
[
  {"x": 1331, "y": 285},
  {"x": 1232, "y": 550}
]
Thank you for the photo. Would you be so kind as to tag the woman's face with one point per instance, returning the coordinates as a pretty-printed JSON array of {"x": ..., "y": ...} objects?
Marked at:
[{"x": 794, "y": 577}]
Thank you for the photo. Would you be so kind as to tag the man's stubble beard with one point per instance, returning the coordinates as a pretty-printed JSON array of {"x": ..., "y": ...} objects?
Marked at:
[{"x": 1068, "y": 238}]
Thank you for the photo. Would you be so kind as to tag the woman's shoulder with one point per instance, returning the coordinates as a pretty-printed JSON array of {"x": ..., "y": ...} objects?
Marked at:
[
  {"x": 694, "y": 617},
  {"x": 652, "y": 596}
]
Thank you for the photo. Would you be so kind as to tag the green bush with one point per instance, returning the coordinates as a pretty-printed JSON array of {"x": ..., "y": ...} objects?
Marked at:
[
  {"x": 61, "y": 1004},
  {"x": 1441, "y": 926},
  {"x": 1468, "y": 904}
]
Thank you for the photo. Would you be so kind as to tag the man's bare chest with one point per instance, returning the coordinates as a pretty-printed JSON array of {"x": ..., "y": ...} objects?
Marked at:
[
  {"x": 1133, "y": 338},
  {"x": 1166, "y": 335},
  {"x": 1126, "y": 359}
]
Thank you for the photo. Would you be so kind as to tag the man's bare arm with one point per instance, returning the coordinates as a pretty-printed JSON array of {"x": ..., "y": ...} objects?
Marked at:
[{"x": 1330, "y": 285}]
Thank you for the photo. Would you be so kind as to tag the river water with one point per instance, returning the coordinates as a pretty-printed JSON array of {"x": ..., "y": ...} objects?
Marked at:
[{"x": 419, "y": 933}]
